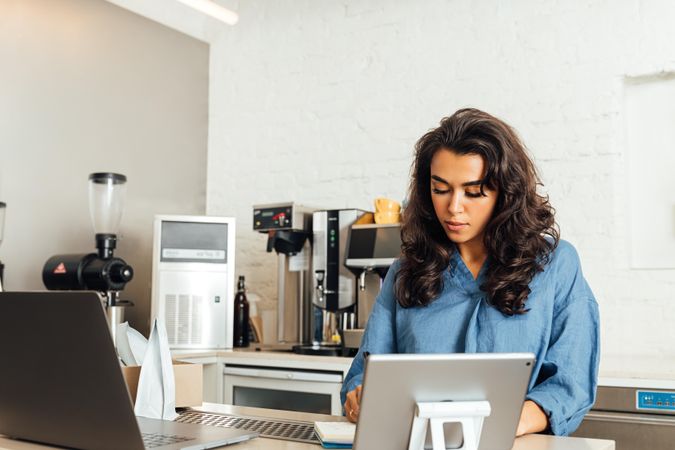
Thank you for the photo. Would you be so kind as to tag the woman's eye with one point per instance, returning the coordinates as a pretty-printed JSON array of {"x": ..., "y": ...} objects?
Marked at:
[
  {"x": 438, "y": 191},
  {"x": 474, "y": 194}
]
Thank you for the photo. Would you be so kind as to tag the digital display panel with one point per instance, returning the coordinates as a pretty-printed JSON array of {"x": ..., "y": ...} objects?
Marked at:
[{"x": 194, "y": 242}]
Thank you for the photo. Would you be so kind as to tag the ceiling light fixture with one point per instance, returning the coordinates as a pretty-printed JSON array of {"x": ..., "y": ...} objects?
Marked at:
[{"x": 214, "y": 10}]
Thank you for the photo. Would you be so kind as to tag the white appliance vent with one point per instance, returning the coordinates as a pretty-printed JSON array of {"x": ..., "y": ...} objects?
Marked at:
[{"x": 182, "y": 316}]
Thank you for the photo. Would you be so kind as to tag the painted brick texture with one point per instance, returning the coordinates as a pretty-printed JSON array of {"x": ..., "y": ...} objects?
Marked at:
[{"x": 321, "y": 102}]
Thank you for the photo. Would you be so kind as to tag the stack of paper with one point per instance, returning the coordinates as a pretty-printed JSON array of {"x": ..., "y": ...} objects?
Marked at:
[{"x": 335, "y": 434}]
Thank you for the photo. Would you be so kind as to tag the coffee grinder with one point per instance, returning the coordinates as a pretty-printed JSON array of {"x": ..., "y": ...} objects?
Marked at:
[
  {"x": 288, "y": 227},
  {"x": 3, "y": 207},
  {"x": 100, "y": 271}
]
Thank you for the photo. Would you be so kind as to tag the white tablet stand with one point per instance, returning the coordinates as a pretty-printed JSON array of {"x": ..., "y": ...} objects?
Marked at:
[{"x": 469, "y": 414}]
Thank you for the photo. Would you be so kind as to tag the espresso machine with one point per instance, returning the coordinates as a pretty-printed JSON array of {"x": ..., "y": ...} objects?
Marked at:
[
  {"x": 100, "y": 271},
  {"x": 288, "y": 227},
  {"x": 335, "y": 298},
  {"x": 3, "y": 207},
  {"x": 371, "y": 250}
]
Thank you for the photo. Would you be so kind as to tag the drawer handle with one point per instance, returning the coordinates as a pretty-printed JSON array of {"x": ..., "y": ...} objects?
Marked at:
[{"x": 627, "y": 418}]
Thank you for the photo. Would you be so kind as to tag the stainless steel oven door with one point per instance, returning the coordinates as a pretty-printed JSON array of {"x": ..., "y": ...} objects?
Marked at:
[
  {"x": 616, "y": 416},
  {"x": 631, "y": 431},
  {"x": 278, "y": 388}
]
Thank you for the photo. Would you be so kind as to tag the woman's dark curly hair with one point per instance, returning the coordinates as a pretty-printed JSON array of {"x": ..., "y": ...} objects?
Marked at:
[{"x": 520, "y": 236}]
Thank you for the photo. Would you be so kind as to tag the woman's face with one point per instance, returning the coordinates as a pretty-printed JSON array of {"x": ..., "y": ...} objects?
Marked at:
[{"x": 455, "y": 192}]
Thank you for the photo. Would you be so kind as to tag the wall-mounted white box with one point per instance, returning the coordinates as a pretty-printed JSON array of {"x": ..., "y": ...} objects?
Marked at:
[{"x": 649, "y": 111}]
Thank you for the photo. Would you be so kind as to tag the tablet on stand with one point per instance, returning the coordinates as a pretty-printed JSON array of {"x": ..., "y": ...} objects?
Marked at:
[{"x": 439, "y": 401}]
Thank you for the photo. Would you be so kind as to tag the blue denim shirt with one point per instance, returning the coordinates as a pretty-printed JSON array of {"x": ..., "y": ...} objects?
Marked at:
[{"x": 562, "y": 329}]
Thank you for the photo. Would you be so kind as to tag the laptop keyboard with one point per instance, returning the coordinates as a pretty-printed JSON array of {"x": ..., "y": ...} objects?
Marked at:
[
  {"x": 289, "y": 430},
  {"x": 151, "y": 440}
]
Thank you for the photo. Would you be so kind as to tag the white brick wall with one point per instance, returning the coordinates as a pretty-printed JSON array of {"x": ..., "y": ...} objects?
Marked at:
[{"x": 321, "y": 102}]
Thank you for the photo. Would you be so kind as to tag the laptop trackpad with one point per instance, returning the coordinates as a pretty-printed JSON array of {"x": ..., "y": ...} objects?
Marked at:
[{"x": 206, "y": 436}]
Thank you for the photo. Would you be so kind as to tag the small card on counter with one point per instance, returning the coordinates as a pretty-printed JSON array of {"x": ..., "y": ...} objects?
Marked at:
[{"x": 335, "y": 434}]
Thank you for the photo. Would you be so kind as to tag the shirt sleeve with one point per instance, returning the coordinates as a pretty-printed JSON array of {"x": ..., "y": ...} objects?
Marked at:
[
  {"x": 567, "y": 382},
  {"x": 380, "y": 334}
]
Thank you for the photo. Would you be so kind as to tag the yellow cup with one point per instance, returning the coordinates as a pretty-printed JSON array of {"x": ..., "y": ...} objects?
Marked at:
[
  {"x": 387, "y": 217},
  {"x": 387, "y": 205}
]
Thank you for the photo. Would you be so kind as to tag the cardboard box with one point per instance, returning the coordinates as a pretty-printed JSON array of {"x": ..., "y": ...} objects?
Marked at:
[{"x": 189, "y": 380}]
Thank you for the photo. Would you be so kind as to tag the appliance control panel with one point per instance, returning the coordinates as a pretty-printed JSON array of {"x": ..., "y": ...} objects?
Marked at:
[
  {"x": 273, "y": 218},
  {"x": 655, "y": 400}
]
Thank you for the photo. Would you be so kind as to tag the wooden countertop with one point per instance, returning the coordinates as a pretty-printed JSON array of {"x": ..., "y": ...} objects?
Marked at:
[{"x": 531, "y": 442}]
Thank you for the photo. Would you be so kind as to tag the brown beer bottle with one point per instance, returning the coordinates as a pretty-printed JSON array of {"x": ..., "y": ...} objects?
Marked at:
[{"x": 241, "y": 326}]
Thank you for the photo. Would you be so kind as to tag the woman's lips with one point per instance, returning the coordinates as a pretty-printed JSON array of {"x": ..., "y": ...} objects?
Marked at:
[{"x": 456, "y": 226}]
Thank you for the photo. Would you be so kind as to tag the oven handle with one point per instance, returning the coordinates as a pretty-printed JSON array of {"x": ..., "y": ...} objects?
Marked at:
[
  {"x": 632, "y": 418},
  {"x": 284, "y": 374}
]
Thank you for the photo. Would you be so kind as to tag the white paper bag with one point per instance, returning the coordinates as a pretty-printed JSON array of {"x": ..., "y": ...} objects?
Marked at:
[
  {"x": 156, "y": 395},
  {"x": 131, "y": 345}
]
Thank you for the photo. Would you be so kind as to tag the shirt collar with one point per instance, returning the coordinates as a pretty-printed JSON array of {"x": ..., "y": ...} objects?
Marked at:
[{"x": 461, "y": 275}]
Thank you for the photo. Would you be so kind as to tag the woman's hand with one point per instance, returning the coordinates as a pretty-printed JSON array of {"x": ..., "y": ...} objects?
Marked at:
[
  {"x": 352, "y": 404},
  {"x": 532, "y": 419}
]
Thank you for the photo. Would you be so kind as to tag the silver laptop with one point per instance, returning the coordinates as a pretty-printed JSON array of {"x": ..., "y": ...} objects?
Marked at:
[
  {"x": 393, "y": 384},
  {"x": 61, "y": 382}
]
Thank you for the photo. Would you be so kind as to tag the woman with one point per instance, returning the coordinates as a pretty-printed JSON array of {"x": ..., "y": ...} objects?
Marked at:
[{"x": 483, "y": 270}]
